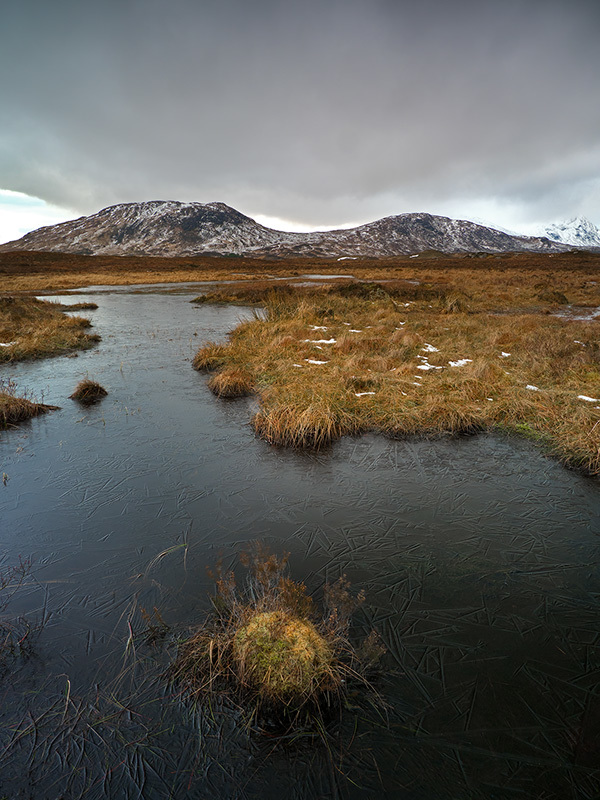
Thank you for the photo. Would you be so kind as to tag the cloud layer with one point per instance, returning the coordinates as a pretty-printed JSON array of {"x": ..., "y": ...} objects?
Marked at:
[{"x": 321, "y": 112}]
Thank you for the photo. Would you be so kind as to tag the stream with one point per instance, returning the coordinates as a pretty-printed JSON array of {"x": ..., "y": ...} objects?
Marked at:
[{"x": 479, "y": 557}]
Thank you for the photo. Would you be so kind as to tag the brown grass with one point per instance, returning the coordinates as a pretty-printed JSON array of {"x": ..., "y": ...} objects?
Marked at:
[
  {"x": 389, "y": 367},
  {"x": 231, "y": 383},
  {"x": 15, "y": 409},
  {"x": 88, "y": 392},
  {"x": 35, "y": 329}
]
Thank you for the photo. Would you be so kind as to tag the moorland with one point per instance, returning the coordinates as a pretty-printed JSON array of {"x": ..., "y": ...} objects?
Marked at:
[{"x": 425, "y": 345}]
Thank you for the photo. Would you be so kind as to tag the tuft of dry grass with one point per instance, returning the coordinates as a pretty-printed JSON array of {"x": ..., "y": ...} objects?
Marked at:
[
  {"x": 231, "y": 383},
  {"x": 209, "y": 357},
  {"x": 486, "y": 355},
  {"x": 15, "y": 409},
  {"x": 31, "y": 328},
  {"x": 267, "y": 646},
  {"x": 88, "y": 392}
]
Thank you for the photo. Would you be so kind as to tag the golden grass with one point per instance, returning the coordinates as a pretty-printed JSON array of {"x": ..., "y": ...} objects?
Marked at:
[
  {"x": 31, "y": 328},
  {"x": 409, "y": 359},
  {"x": 15, "y": 409},
  {"x": 88, "y": 392},
  {"x": 231, "y": 383}
]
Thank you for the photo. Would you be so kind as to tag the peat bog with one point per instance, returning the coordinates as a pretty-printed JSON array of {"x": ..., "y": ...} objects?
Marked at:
[{"x": 479, "y": 558}]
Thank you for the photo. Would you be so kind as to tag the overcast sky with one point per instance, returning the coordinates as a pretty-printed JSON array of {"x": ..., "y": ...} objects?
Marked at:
[{"x": 317, "y": 113}]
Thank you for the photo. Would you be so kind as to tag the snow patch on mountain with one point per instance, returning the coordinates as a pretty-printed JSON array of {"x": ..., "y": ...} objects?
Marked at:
[
  {"x": 170, "y": 228},
  {"x": 579, "y": 232}
]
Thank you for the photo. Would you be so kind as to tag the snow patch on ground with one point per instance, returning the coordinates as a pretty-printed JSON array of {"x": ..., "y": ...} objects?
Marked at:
[{"x": 461, "y": 362}]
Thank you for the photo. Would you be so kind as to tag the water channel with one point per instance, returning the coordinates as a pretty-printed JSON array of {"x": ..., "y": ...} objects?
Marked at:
[{"x": 480, "y": 559}]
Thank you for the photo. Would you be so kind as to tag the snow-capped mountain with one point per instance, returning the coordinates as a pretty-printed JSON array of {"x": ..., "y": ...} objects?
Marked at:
[
  {"x": 578, "y": 232},
  {"x": 159, "y": 228}
]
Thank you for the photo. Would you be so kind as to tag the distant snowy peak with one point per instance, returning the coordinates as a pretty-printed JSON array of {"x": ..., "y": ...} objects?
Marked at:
[{"x": 579, "y": 232}]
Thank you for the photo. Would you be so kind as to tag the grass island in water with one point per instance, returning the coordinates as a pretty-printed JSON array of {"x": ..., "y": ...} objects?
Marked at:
[{"x": 471, "y": 352}]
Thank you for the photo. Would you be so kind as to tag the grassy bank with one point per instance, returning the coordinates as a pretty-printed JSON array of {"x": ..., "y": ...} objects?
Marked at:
[
  {"x": 31, "y": 328},
  {"x": 471, "y": 351},
  {"x": 15, "y": 409}
]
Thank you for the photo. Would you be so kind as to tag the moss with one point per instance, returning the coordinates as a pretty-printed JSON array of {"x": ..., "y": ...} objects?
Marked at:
[{"x": 281, "y": 655}]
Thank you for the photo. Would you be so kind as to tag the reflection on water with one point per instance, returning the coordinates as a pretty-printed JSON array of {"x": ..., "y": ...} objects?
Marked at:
[{"x": 480, "y": 560}]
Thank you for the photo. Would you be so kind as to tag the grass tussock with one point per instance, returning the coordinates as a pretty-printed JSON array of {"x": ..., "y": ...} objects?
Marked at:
[
  {"x": 88, "y": 392},
  {"x": 15, "y": 409},
  {"x": 31, "y": 328},
  {"x": 231, "y": 383},
  {"x": 431, "y": 359},
  {"x": 269, "y": 649}
]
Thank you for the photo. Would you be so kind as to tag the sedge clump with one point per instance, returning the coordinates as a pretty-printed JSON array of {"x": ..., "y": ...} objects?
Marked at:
[
  {"x": 268, "y": 648},
  {"x": 88, "y": 392}
]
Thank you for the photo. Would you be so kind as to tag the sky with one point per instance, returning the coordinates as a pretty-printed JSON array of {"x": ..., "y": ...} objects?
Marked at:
[{"x": 303, "y": 115}]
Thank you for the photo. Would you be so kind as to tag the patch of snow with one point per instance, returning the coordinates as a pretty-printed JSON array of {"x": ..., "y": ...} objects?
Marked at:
[
  {"x": 7, "y": 344},
  {"x": 354, "y": 330},
  {"x": 319, "y": 327},
  {"x": 427, "y": 366},
  {"x": 429, "y": 348},
  {"x": 312, "y": 361},
  {"x": 461, "y": 362},
  {"x": 532, "y": 388},
  {"x": 589, "y": 399},
  {"x": 296, "y": 365},
  {"x": 321, "y": 341},
  {"x": 504, "y": 355},
  {"x": 362, "y": 394}
]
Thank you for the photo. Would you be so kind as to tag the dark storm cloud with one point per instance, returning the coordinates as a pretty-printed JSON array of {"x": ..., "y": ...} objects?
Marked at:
[{"x": 317, "y": 111}]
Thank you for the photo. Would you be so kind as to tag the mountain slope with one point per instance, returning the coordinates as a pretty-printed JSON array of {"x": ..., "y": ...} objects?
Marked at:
[
  {"x": 579, "y": 232},
  {"x": 168, "y": 228}
]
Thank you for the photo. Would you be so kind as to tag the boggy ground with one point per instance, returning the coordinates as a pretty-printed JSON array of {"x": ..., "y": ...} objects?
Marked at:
[
  {"x": 473, "y": 350},
  {"x": 31, "y": 328},
  {"x": 27, "y": 271}
]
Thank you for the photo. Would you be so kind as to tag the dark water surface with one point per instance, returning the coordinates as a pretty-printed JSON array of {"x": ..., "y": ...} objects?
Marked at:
[{"x": 480, "y": 560}]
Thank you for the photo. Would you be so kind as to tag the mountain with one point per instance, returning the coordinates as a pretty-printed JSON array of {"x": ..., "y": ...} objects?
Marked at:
[
  {"x": 579, "y": 232},
  {"x": 168, "y": 228}
]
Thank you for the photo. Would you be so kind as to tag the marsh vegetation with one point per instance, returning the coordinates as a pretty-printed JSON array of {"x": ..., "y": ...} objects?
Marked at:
[
  {"x": 268, "y": 646},
  {"x": 15, "y": 408},
  {"x": 32, "y": 328},
  {"x": 88, "y": 392},
  {"x": 467, "y": 352}
]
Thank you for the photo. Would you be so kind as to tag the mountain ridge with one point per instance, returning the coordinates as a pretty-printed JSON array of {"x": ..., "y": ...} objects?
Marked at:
[
  {"x": 578, "y": 232},
  {"x": 173, "y": 228}
]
